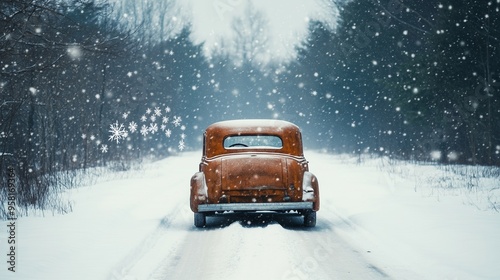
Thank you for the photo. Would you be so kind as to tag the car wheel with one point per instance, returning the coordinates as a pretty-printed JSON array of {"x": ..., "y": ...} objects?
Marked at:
[
  {"x": 199, "y": 219},
  {"x": 310, "y": 218}
]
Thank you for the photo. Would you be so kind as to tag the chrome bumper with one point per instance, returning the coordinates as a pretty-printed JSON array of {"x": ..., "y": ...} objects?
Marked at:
[{"x": 276, "y": 206}]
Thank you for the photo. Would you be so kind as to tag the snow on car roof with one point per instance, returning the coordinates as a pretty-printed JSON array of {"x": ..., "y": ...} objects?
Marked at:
[{"x": 252, "y": 125}]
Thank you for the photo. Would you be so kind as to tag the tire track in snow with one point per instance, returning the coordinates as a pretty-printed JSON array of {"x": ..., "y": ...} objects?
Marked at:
[
  {"x": 327, "y": 255},
  {"x": 268, "y": 250},
  {"x": 233, "y": 252},
  {"x": 148, "y": 253},
  {"x": 134, "y": 265}
]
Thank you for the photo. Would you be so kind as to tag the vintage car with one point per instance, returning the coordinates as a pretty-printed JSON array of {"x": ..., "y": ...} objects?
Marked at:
[{"x": 253, "y": 166}]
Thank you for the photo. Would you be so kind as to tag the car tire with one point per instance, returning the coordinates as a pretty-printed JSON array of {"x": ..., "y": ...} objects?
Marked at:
[
  {"x": 310, "y": 218},
  {"x": 199, "y": 220}
]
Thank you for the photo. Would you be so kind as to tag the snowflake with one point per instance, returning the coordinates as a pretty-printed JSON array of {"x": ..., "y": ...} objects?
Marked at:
[
  {"x": 144, "y": 118},
  {"x": 181, "y": 145},
  {"x": 177, "y": 121},
  {"x": 132, "y": 127},
  {"x": 144, "y": 130},
  {"x": 153, "y": 118},
  {"x": 168, "y": 133},
  {"x": 163, "y": 127},
  {"x": 153, "y": 128},
  {"x": 125, "y": 115},
  {"x": 104, "y": 148},
  {"x": 167, "y": 110},
  {"x": 164, "y": 120},
  {"x": 118, "y": 132},
  {"x": 92, "y": 137},
  {"x": 157, "y": 111},
  {"x": 183, "y": 136},
  {"x": 148, "y": 111},
  {"x": 84, "y": 136}
]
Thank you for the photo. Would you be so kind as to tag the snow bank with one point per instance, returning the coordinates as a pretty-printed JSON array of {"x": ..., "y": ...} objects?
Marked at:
[
  {"x": 414, "y": 216},
  {"x": 109, "y": 220}
]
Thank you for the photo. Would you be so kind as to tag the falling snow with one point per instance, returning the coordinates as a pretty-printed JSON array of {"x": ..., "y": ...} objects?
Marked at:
[{"x": 397, "y": 79}]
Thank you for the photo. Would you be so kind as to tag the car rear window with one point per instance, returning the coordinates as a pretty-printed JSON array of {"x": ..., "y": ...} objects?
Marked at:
[{"x": 253, "y": 141}]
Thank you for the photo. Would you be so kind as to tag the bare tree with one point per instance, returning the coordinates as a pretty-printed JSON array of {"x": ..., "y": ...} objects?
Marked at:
[
  {"x": 48, "y": 52},
  {"x": 250, "y": 40}
]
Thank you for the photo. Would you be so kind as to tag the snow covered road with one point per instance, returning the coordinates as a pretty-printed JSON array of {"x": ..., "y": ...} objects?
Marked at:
[
  {"x": 369, "y": 227},
  {"x": 256, "y": 247}
]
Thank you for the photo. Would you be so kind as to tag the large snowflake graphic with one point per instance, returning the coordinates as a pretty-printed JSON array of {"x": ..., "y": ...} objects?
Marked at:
[
  {"x": 104, "y": 148},
  {"x": 177, "y": 121},
  {"x": 132, "y": 127},
  {"x": 153, "y": 128},
  {"x": 118, "y": 132},
  {"x": 144, "y": 130},
  {"x": 157, "y": 111},
  {"x": 168, "y": 133},
  {"x": 159, "y": 120},
  {"x": 181, "y": 146}
]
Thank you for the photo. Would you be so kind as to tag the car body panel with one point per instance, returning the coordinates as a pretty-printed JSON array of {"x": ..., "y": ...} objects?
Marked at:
[{"x": 267, "y": 171}]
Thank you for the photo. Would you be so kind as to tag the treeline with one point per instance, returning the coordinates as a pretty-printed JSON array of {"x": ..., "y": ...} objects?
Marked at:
[
  {"x": 67, "y": 74},
  {"x": 418, "y": 79}
]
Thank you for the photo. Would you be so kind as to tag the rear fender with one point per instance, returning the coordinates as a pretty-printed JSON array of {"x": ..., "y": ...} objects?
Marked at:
[
  {"x": 199, "y": 191},
  {"x": 310, "y": 189}
]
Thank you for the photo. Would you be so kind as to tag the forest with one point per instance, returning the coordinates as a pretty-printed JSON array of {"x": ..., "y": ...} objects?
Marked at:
[{"x": 79, "y": 90}]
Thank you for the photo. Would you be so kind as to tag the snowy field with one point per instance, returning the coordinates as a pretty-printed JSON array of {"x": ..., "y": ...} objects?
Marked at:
[{"x": 380, "y": 219}]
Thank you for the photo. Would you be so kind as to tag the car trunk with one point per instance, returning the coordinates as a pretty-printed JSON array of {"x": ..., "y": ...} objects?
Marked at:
[{"x": 254, "y": 172}]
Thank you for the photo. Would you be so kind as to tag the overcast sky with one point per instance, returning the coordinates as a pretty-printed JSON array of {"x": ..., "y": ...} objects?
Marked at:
[{"x": 265, "y": 31}]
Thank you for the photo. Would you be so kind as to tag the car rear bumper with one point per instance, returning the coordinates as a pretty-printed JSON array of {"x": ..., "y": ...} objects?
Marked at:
[{"x": 275, "y": 206}]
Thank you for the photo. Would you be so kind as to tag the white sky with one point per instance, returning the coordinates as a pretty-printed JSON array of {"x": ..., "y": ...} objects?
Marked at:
[{"x": 214, "y": 23}]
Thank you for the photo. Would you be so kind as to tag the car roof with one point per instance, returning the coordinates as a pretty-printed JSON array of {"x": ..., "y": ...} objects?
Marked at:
[
  {"x": 252, "y": 126},
  {"x": 287, "y": 131}
]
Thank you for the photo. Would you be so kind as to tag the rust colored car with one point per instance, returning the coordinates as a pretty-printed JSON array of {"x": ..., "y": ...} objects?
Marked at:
[{"x": 253, "y": 166}]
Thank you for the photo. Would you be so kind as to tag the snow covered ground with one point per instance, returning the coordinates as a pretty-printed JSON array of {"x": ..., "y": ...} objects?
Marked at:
[{"x": 379, "y": 219}]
